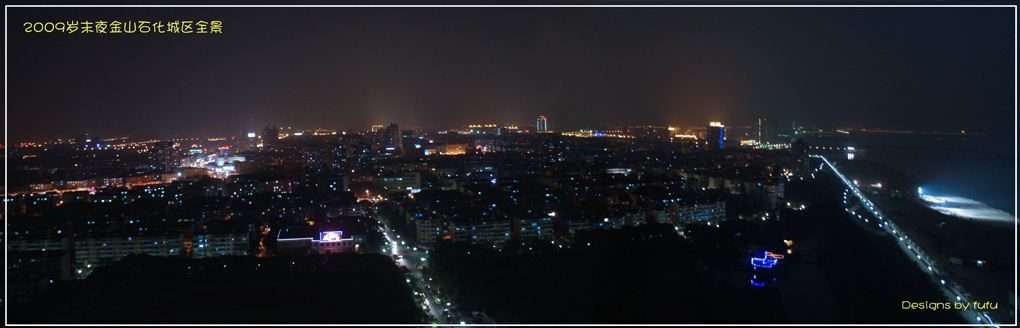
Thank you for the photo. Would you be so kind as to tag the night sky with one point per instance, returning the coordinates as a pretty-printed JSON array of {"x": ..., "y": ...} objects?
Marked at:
[{"x": 906, "y": 68}]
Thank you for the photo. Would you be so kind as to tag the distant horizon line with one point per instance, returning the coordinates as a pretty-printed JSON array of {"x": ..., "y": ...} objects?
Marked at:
[{"x": 787, "y": 130}]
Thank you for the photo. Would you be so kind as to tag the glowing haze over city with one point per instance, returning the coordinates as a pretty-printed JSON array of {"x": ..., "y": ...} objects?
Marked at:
[{"x": 497, "y": 165}]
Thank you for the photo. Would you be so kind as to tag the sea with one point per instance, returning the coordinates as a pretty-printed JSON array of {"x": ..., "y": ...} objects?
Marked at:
[{"x": 964, "y": 175}]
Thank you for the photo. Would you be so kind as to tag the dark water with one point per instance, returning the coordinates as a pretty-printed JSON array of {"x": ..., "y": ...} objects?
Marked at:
[{"x": 980, "y": 168}]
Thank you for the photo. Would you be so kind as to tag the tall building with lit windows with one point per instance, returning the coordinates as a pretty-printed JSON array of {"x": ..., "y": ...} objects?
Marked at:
[
  {"x": 164, "y": 156},
  {"x": 393, "y": 141},
  {"x": 715, "y": 136},
  {"x": 541, "y": 124},
  {"x": 762, "y": 131}
]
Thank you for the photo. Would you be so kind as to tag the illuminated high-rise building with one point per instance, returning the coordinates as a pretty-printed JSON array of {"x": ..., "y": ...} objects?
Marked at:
[
  {"x": 541, "y": 124},
  {"x": 393, "y": 141},
  {"x": 715, "y": 136},
  {"x": 248, "y": 139},
  {"x": 164, "y": 156},
  {"x": 762, "y": 131}
]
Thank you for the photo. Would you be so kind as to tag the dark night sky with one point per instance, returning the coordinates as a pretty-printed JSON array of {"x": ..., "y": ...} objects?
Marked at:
[{"x": 910, "y": 68}]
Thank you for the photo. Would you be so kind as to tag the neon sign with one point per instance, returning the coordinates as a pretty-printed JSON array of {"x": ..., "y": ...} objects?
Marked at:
[
  {"x": 767, "y": 261},
  {"x": 331, "y": 236}
]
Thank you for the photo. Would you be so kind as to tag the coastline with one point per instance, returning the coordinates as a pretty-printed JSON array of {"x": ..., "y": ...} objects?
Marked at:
[
  {"x": 978, "y": 254},
  {"x": 975, "y": 168}
]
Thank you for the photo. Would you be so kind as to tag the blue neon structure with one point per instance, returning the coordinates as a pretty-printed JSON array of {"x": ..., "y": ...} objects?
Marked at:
[{"x": 765, "y": 261}]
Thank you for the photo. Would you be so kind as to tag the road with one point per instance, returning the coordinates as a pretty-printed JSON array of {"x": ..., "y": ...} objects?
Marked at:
[
  {"x": 953, "y": 291},
  {"x": 410, "y": 258}
]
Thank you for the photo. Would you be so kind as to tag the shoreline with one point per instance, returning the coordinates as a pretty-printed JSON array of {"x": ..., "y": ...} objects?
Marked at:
[
  {"x": 981, "y": 169},
  {"x": 979, "y": 254},
  {"x": 910, "y": 182}
]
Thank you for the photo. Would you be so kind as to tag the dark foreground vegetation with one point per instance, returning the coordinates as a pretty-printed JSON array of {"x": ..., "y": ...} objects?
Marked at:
[
  {"x": 635, "y": 275},
  {"x": 341, "y": 288}
]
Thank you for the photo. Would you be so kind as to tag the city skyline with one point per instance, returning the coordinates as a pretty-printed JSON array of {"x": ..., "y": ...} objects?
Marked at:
[
  {"x": 509, "y": 165},
  {"x": 772, "y": 130},
  {"x": 896, "y": 68}
]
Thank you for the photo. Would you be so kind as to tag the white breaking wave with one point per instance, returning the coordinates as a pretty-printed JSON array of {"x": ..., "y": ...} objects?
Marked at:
[{"x": 967, "y": 208}]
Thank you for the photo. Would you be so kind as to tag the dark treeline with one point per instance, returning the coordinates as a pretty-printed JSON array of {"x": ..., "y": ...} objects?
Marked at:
[{"x": 340, "y": 288}]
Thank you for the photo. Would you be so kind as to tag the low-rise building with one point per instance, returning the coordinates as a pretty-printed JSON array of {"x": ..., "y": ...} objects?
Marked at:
[
  {"x": 326, "y": 236},
  {"x": 403, "y": 182},
  {"x": 698, "y": 211}
]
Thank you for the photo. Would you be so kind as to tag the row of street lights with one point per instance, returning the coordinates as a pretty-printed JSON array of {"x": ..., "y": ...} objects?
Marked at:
[{"x": 950, "y": 288}]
